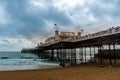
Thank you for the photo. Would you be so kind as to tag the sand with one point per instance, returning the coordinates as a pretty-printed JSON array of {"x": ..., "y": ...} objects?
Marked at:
[{"x": 81, "y": 72}]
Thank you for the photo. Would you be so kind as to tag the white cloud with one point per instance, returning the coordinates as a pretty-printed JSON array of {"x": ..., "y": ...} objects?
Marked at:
[
  {"x": 3, "y": 15},
  {"x": 39, "y": 3},
  {"x": 66, "y": 4},
  {"x": 15, "y": 44}
]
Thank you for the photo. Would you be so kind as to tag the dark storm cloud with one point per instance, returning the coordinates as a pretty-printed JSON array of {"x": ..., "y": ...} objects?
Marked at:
[
  {"x": 4, "y": 40},
  {"x": 28, "y": 20}
]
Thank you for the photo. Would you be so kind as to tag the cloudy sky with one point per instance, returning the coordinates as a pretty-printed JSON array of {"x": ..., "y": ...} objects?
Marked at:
[{"x": 24, "y": 23}]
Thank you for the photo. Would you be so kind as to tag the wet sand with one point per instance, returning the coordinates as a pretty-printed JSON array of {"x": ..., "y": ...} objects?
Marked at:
[{"x": 82, "y": 72}]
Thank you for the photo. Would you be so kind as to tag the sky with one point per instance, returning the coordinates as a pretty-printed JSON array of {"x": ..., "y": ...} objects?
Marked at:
[{"x": 24, "y": 23}]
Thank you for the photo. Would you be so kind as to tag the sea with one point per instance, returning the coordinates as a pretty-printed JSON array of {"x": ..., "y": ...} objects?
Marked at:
[
  {"x": 26, "y": 61},
  {"x": 23, "y": 61}
]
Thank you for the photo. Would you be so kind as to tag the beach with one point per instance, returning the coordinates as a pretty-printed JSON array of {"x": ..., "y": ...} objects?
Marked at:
[{"x": 81, "y": 72}]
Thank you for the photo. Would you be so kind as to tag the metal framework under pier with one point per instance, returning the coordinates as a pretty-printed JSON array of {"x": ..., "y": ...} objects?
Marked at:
[{"x": 67, "y": 51}]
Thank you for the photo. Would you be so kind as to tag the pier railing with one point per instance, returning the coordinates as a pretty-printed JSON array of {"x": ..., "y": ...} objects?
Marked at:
[{"x": 110, "y": 31}]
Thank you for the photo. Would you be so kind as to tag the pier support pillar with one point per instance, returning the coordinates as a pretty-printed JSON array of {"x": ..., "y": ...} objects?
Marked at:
[
  {"x": 71, "y": 60},
  {"x": 85, "y": 55},
  {"x": 73, "y": 56},
  {"x": 90, "y": 54},
  {"x": 94, "y": 55},
  {"x": 110, "y": 61},
  {"x": 114, "y": 53},
  {"x": 69, "y": 55},
  {"x": 62, "y": 58},
  {"x": 52, "y": 55},
  {"x": 81, "y": 54},
  {"x": 57, "y": 52},
  {"x": 75, "y": 60},
  {"x": 101, "y": 61}
]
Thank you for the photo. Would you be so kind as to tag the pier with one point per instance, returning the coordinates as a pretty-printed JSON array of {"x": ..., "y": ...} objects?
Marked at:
[{"x": 72, "y": 49}]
